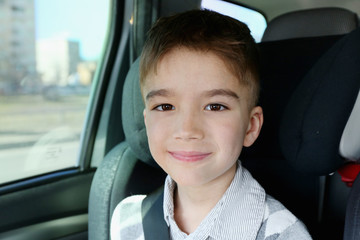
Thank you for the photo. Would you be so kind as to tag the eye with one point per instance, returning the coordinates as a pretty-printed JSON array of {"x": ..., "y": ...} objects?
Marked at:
[
  {"x": 164, "y": 107},
  {"x": 215, "y": 107}
]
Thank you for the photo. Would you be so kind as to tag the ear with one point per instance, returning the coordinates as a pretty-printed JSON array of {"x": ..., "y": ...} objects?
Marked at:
[{"x": 255, "y": 123}]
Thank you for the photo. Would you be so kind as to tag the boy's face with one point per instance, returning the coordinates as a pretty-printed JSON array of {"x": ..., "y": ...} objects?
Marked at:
[{"x": 197, "y": 117}]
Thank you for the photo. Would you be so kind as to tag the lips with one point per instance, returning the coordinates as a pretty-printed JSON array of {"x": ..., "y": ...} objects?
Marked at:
[{"x": 189, "y": 156}]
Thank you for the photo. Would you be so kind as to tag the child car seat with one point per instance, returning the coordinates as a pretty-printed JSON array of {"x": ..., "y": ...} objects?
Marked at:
[
  {"x": 129, "y": 169},
  {"x": 319, "y": 131},
  {"x": 284, "y": 64},
  {"x": 350, "y": 150}
]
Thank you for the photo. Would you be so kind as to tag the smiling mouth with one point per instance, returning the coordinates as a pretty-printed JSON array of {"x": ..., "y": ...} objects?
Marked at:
[{"x": 189, "y": 156}]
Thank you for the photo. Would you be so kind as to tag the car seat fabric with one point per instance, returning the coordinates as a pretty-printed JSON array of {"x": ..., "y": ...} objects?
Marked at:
[
  {"x": 153, "y": 220},
  {"x": 311, "y": 23},
  {"x": 319, "y": 109},
  {"x": 133, "y": 120},
  {"x": 283, "y": 64},
  {"x": 118, "y": 174},
  {"x": 102, "y": 191},
  {"x": 352, "y": 220},
  {"x": 350, "y": 150},
  {"x": 285, "y": 61}
]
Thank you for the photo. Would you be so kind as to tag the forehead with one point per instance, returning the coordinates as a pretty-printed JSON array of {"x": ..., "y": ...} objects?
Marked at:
[{"x": 194, "y": 67}]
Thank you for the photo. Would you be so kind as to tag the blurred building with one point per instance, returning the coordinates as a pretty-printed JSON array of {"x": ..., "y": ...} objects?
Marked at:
[
  {"x": 17, "y": 42},
  {"x": 86, "y": 71},
  {"x": 57, "y": 59}
]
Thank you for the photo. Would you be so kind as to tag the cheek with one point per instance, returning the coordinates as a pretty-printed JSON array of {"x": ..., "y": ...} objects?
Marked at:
[
  {"x": 150, "y": 130},
  {"x": 155, "y": 133},
  {"x": 231, "y": 136}
]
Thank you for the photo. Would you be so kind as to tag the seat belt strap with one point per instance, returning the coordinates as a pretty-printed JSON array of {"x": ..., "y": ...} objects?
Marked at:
[{"x": 152, "y": 212}]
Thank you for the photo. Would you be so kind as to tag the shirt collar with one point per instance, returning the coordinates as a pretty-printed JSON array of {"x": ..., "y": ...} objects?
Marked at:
[
  {"x": 237, "y": 215},
  {"x": 169, "y": 199}
]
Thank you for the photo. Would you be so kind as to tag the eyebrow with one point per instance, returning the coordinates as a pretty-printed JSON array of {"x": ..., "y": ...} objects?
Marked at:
[
  {"x": 222, "y": 92},
  {"x": 156, "y": 93},
  {"x": 210, "y": 93}
]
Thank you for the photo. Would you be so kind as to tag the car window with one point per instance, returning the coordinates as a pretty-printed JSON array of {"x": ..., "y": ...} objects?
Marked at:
[
  {"x": 49, "y": 52},
  {"x": 254, "y": 19}
]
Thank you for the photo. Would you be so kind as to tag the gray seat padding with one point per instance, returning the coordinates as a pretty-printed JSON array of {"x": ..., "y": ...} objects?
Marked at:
[{"x": 128, "y": 168}]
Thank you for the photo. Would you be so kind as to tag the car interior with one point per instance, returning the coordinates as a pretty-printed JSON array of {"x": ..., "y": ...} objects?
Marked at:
[
  {"x": 307, "y": 155},
  {"x": 299, "y": 80}
]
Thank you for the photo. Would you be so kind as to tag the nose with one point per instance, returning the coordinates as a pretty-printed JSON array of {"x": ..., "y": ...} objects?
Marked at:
[{"x": 188, "y": 126}]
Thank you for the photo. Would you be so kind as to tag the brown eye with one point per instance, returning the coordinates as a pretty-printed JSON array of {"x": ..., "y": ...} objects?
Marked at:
[
  {"x": 164, "y": 107},
  {"x": 215, "y": 107}
]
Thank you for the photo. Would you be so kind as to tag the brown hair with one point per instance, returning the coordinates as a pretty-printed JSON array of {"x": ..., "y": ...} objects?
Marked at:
[{"x": 204, "y": 30}]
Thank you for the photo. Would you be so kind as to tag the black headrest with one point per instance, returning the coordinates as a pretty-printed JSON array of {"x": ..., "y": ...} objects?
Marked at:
[
  {"x": 311, "y": 23},
  {"x": 283, "y": 64},
  {"x": 132, "y": 116},
  {"x": 316, "y": 115}
]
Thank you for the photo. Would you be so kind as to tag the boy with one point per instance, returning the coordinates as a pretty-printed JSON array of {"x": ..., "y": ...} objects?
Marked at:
[{"x": 199, "y": 81}]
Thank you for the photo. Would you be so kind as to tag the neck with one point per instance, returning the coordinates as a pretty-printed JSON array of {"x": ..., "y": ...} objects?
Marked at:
[{"x": 193, "y": 203}]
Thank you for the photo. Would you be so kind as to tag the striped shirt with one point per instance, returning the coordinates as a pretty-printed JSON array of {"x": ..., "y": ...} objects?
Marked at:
[{"x": 244, "y": 212}]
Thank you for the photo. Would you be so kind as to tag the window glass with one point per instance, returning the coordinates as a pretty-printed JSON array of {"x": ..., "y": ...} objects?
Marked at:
[
  {"x": 255, "y": 20},
  {"x": 49, "y": 52}
]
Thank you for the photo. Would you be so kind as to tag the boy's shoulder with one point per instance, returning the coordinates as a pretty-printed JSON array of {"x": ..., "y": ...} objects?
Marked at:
[
  {"x": 130, "y": 205},
  {"x": 126, "y": 221},
  {"x": 275, "y": 208},
  {"x": 279, "y": 223}
]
